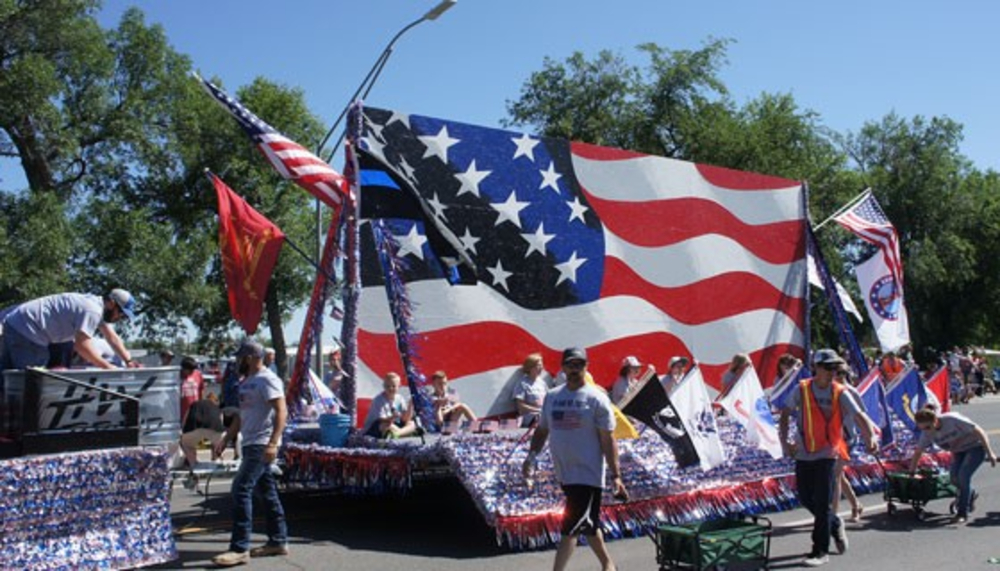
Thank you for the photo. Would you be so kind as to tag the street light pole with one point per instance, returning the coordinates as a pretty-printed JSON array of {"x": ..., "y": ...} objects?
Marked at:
[{"x": 363, "y": 90}]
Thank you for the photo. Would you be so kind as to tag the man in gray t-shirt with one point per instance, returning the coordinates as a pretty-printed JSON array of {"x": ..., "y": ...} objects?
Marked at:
[
  {"x": 261, "y": 422},
  {"x": 31, "y": 328},
  {"x": 578, "y": 420}
]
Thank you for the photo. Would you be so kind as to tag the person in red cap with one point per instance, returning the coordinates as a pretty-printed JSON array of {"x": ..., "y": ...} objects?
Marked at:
[
  {"x": 580, "y": 421},
  {"x": 32, "y": 328}
]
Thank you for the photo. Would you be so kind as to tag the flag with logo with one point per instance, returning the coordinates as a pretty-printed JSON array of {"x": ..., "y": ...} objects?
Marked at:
[
  {"x": 872, "y": 394},
  {"x": 650, "y": 405},
  {"x": 694, "y": 406},
  {"x": 568, "y": 248},
  {"x": 906, "y": 396},
  {"x": 883, "y": 297},
  {"x": 745, "y": 402},
  {"x": 250, "y": 246}
]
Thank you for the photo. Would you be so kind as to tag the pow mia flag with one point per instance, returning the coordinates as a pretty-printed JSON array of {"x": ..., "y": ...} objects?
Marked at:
[{"x": 650, "y": 405}]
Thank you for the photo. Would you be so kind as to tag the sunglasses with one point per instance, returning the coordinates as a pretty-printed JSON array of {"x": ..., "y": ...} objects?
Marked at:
[{"x": 575, "y": 364}]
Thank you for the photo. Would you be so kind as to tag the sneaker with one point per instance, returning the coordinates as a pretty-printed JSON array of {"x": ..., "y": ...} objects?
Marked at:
[
  {"x": 269, "y": 550},
  {"x": 959, "y": 520},
  {"x": 840, "y": 537},
  {"x": 232, "y": 558},
  {"x": 816, "y": 559}
]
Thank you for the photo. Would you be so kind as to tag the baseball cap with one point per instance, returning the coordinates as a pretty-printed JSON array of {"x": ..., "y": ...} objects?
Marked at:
[
  {"x": 631, "y": 361},
  {"x": 574, "y": 354},
  {"x": 677, "y": 359},
  {"x": 250, "y": 348},
  {"x": 827, "y": 357},
  {"x": 124, "y": 300}
]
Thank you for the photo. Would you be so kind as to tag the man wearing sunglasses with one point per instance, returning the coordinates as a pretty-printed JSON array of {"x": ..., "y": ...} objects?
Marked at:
[
  {"x": 823, "y": 409},
  {"x": 580, "y": 420},
  {"x": 33, "y": 327}
]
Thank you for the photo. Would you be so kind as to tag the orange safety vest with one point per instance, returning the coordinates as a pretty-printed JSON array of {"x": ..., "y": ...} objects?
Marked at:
[{"x": 818, "y": 431}]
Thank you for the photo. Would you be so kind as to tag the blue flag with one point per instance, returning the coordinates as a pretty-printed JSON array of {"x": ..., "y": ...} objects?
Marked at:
[
  {"x": 873, "y": 399},
  {"x": 906, "y": 396},
  {"x": 781, "y": 389}
]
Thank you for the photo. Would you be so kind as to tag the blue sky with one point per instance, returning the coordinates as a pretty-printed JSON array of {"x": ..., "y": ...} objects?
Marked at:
[{"x": 849, "y": 61}]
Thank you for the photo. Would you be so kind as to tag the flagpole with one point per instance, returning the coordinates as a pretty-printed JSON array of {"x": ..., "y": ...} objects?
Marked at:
[
  {"x": 844, "y": 208},
  {"x": 313, "y": 262}
]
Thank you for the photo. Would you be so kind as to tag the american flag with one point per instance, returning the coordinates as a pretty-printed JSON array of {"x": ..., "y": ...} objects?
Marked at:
[
  {"x": 867, "y": 220},
  {"x": 293, "y": 161},
  {"x": 576, "y": 245}
]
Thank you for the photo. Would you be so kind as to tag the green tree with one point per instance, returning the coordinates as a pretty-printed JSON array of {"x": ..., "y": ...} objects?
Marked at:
[
  {"x": 113, "y": 136},
  {"x": 946, "y": 214}
]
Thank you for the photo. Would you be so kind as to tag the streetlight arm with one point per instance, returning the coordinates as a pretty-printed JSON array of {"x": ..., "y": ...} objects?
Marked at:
[{"x": 374, "y": 72}]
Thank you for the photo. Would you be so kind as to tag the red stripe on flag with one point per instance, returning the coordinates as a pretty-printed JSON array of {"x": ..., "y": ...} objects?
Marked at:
[
  {"x": 657, "y": 223},
  {"x": 710, "y": 299}
]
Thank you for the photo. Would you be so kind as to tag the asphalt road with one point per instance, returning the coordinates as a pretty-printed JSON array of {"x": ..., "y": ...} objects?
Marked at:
[{"x": 437, "y": 527}]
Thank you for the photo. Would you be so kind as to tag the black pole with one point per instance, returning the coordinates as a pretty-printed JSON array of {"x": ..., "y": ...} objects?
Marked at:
[{"x": 310, "y": 260}]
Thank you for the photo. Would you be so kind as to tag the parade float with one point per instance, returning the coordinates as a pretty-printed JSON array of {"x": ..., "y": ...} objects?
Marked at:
[{"x": 84, "y": 478}]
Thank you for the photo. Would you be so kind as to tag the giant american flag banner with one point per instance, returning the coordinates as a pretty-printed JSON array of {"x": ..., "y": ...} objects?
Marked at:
[{"x": 574, "y": 245}]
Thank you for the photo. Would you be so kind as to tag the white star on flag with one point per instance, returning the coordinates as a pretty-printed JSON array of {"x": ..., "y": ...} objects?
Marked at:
[
  {"x": 577, "y": 209},
  {"x": 469, "y": 242},
  {"x": 550, "y": 178},
  {"x": 510, "y": 210},
  {"x": 438, "y": 207},
  {"x": 525, "y": 147},
  {"x": 567, "y": 269},
  {"x": 401, "y": 117},
  {"x": 537, "y": 240},
  {"x": 470, "y": 179},
  {"x": 412, "y": 243},
  {"x": 438, "y": 144},
  {"x": 499, "y": 274}
]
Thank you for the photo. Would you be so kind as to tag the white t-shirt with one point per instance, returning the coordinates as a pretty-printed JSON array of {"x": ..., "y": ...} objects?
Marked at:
[
  {"x": 256, "y": 414},
  {"x": 532, "y": 393},
  {"x": 573, "y": 419},
  {"x": 956, "y": 434},
  {"x": 57, "y": 318},
  {"x": 382, "y": 408}
]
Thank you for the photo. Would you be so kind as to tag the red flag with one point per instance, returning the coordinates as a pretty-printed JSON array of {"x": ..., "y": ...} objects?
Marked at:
[
  {"x": 250, "y": 245},
  {"x": 941, "y": 387}
]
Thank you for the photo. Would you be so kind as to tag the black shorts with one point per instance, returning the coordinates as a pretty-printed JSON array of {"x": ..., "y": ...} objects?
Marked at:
[{"x": 582, "y": 515}]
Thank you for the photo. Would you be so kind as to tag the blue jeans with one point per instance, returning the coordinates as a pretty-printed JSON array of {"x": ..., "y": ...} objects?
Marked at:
[
  {"x": 963, "y": 466},
  {"x": 814, "y": 482},
  {"x": 20, "y": 353},
  {"x": 255, "y": 476}
]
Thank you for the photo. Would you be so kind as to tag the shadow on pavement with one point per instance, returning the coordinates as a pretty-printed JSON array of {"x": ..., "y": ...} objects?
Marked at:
[{"x": 435, "y": 519}]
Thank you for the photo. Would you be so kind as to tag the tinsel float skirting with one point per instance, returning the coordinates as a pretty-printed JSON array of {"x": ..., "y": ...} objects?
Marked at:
[
  {"x": 527, "y": 514},
  {"x": 101, "y": 509}
]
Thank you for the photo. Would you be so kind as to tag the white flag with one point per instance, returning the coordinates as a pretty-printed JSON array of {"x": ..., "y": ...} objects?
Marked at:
[
  {"x": 883, "y": 297},
  {"x": 693, "y": 405},
  {"x": 845, "y": 298},
  {"x": 745, "y": 401}
]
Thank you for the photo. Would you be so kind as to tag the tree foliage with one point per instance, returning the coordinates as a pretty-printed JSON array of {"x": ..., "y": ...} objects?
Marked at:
[{"x": 113, "y": 136}]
